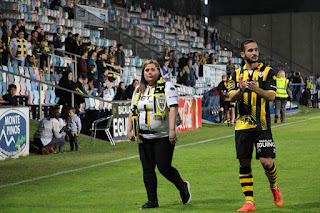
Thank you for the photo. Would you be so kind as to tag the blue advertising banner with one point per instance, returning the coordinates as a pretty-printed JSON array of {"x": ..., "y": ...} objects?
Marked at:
[{"x": 14, "y": 132}]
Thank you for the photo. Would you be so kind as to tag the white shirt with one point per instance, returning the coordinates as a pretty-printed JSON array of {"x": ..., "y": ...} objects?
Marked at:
[
  {"x": 29, "y": 45},
  {"x": 145, "y": 108}
]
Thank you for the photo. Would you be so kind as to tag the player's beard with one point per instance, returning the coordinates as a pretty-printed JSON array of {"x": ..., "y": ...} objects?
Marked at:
[{"x": 249, "y": 61}]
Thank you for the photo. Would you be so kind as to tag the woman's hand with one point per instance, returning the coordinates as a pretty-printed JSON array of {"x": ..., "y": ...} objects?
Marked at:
[{"x": 173, "y": 137}]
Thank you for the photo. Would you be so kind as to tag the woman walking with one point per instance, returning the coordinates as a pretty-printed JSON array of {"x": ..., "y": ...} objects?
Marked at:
[{"x": 153, "y": 121}]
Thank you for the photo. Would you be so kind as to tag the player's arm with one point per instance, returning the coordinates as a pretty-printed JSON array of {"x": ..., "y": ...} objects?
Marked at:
[{"x": 269, "y": 91}]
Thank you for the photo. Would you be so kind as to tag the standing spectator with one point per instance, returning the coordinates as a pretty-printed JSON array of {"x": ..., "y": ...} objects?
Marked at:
[
  {"x": 214, "y": 39},
  {"x": 108, "y": 95},
  {"x": 111, "y": 52},
  {"x": 212, "y": 58},
  {"x": 99, "y": 62},
  {"x": 97, "y": 49},
  {"x": 57, "y": 44},
  {"x": 174, "y": 63},
  {"x": 35, "y": 42},
  {"x": 21, "y": 23},
  {"x": 40, "y": 35},
  {"x": 93, "y": 74},
  {"x": 121, "y": 92},
  {"x": 195, "y": 69},
  {"x": 15, "y": 30},
  {"x": 10, "y": 95},
  {"x": 166, "y": 55},
  {"x": 293, "y": 74},
  {"x": 120, "y": 55},
  {"x": 82, "y": 64},
  {"x": 297, "y": 79},
  {"x": 225, "y": 104},
  {"x": 318, "y": 82},
  {"x": 30, "y": 59},
  {"x": 307, "y": 92},
  {"x": 206, "y": 36},
  {"x": 196, "y": 58},
  {"x": 92, "y": 57},
  {"x": 6, "y": 47},
  {"x": 45, "y": 50},
  {"x": 18, "y": 50},
  {"x": 183, "y": 61},
  {"x": 131, "y": 88},
  {"x": 281, "y": 97},
  {"x": 203, "y": 59},
  {"x": 1, "y": 32},
  {"x": 74, "y": 124},
  {"x": 65, "y": 97},
  {"x": 230, "y": 66},
  {"x": 76, "y": 45},
  {"x": 166, "y": 71},
  {"x": 5, "y": 26},
  {"x": 188, "y": 74},
  {"x": 48, "y": 134},
  {"x": 68, "y": 43}
]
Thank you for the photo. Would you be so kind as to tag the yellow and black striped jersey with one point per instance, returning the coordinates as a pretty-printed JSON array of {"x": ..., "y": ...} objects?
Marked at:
[{"x": 253, "y": 110}]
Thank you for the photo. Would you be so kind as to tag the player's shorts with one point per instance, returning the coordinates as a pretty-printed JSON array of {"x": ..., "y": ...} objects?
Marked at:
[
  {"x": 262, "y": 140},
  {"x": 232, "y": 104},
  {"x": 225, "y": 104}
]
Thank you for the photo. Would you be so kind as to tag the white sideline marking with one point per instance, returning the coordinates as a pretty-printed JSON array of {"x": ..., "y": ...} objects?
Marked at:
[{"x": 135, "y": 156}]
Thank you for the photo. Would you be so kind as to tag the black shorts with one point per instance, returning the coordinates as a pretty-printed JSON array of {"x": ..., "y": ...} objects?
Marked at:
[
  {"x": 225, "y": 104},
  {"x": 245, "y": 140}
]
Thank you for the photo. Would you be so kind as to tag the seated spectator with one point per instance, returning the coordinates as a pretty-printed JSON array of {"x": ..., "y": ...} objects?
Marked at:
[
  {"x": 48, "y": 135},
  {"x": 121, "y": 92},
  {"x": 10, "y": 96},
  {"x": 112, "y": 76},
  {"x": 131, "y": 88},
  {"x": 108, "y": 95},
  {"x": 166, "y": 71},
  {"x": 184, "y": 75},
  {"x": 82, "y": 64},
  {"x": 103, "y": 80}
]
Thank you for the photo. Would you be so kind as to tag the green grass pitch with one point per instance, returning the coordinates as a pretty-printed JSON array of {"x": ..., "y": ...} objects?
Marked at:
[{"x": 210, "y": 167}]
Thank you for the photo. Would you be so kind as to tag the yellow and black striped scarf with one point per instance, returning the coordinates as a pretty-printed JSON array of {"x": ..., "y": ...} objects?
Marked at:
[
  {"x": 20, "y": 47},
  {"x": 160, "y": 108}
]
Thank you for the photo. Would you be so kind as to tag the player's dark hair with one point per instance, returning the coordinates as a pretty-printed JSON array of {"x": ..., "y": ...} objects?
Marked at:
[{"x": 245, "y": 42}]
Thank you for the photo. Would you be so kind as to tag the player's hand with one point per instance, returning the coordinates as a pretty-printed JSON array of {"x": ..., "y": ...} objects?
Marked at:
[
  {"x": 252, "y": 85},
  {"x": 173, "y": 137},
  {"x": 243, "y": 84}
]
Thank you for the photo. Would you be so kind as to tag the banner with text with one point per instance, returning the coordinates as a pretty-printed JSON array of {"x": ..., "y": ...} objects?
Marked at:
[
  {"x": 120, "y": 113},
  {"x": 214, "y": 72},
  {"x": 190, "y": 110},
  {"x": 14, "y": 132}
]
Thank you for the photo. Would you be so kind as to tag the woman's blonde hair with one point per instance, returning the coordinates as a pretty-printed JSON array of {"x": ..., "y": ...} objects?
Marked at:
[
  {"x": 281, "y": 74},
  {"x": 143, "y": 82}
]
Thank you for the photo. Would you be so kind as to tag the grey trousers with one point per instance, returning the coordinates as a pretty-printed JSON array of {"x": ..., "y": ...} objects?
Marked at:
[{"x": 280, "y": 108}]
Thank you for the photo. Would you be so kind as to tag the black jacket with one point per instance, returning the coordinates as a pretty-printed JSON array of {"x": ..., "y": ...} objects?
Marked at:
[{"x": 120, "y": 58}]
